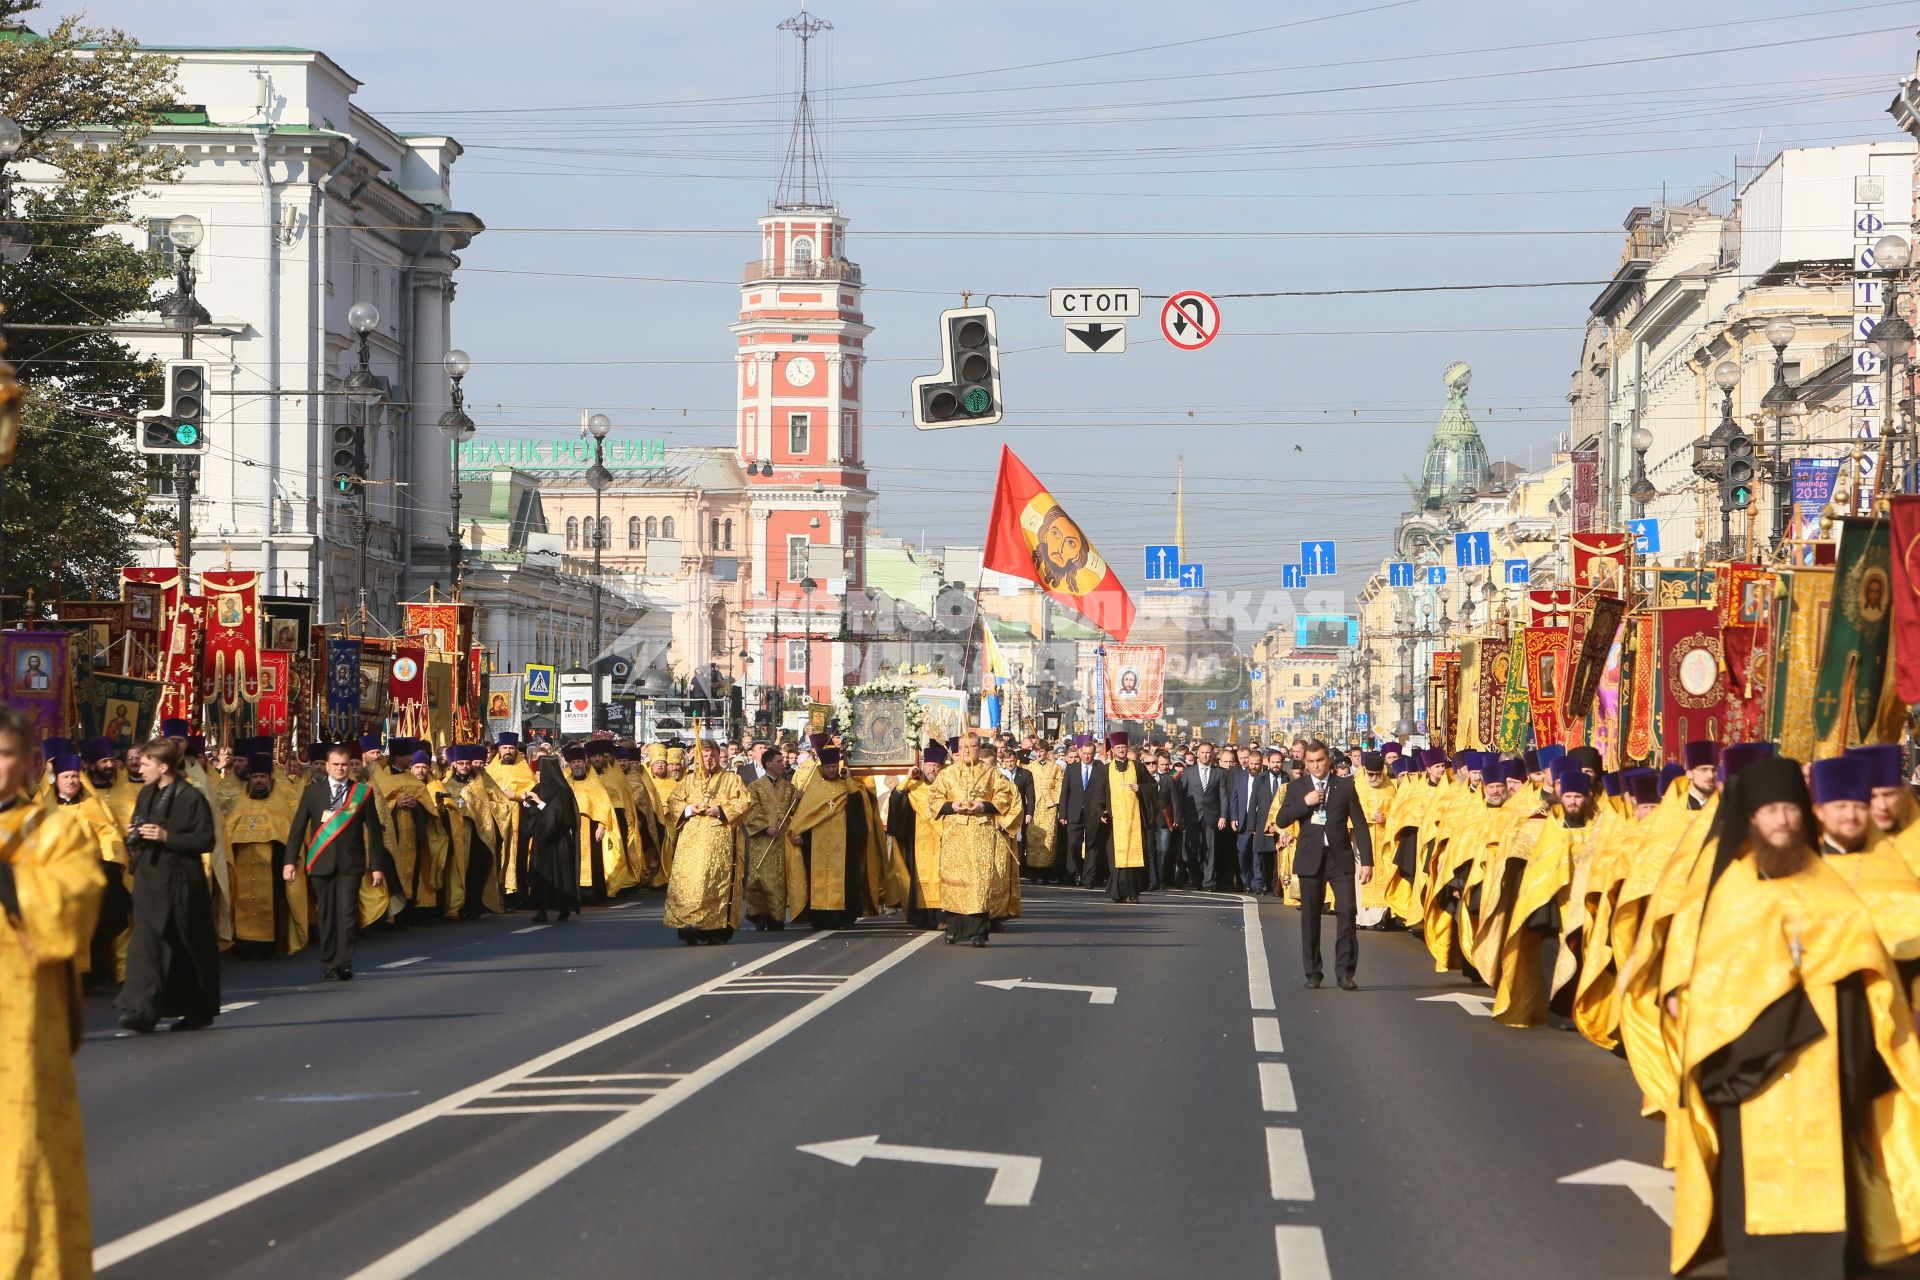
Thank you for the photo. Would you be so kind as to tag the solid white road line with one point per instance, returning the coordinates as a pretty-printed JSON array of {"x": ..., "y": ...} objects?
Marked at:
[
  {"x": 139, "y": 1241},
  {"x": 1266, "y": 1035},
  {"x": 1287, "y": 1171},
  {"x": 401, "y": 964},
  {"x": 493, "y": 1208},
  {"x": 1276, "y": 1087},
  {"x": 1303, "y": 1253},
  {"x": 1259, "y": 976},
  {"x": 237, "y": 1005},
  {"x": 533, "y": 928}
]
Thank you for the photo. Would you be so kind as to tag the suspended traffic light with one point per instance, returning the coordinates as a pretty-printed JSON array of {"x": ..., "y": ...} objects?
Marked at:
[
  {"x": 181, "y": 425},
  {"x": 966, "y": 391},
  {"x": 1736, "y": 483},
  {"x": 349, "y": 460}
]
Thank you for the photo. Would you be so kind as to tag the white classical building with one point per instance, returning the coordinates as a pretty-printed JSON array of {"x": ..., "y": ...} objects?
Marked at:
[{"x": 310, "y": 205}]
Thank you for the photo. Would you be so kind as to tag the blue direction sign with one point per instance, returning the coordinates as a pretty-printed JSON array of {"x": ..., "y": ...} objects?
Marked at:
[
  {"x": 1359, "y": 719},
  {"x": 1471, "y": 549},
  {"x": 1317, "y": 559},
  {"x": 1292, "y": 577},
  {"x": 1400, "y": 573},
  {"x": 1646, "y": 536},
  {"x": 1517, "y": 572},
  {"x": 1163, "y": 563},
  {"x": 1436, "y": 575},
  {"x": 1280, "y": 704},
  {"x": 1213, "y": 704},
  {"x": 1193, "y": 576}
]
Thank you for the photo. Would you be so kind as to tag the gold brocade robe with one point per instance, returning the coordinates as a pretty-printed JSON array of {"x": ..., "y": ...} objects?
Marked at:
[
  {"x": 415, "y": 838},
  {"x": 1459, "y": 840},
  {"x": 663, "y": 786},
  {"x": 511, "y": 782},
  {"x": 926, "y": 844},
  {"x": 645, "y": 850},
  {"x": 1129, "y": 838},
  {"x": 473, "y": 811},
  {"x": 704, "y": 889},
  {"x": 1522, "y": 990},
  {"x": 1798, "y": 1157},
  {"x": 1043, "y": 831},
  {"x": 1376, "y": 800},
  {"x": 596, "y": 806},
  {"x": 772, "y": 808},
  {"x": 819, "y": 880},
  {"x": 974, "y": 847},
  {"x": 1889, "y": 890},
  {"x": 119, "y": 798},
  {"x": 633, "y": 834},
  {"x": 45, "y": 1222},
  {"x": 254, "y": 827},
  {"x": 1409, "y": 806}
]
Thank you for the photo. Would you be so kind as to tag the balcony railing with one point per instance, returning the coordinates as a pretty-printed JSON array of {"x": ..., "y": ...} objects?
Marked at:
[{"x": 809, "y": 269}]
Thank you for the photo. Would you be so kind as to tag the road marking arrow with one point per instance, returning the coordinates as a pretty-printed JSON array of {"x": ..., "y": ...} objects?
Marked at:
[
  {"x": 1478, "y": 1006},
  {"x": 1014, "y": 1177},
  {"x": 1095, "y": 995},
  {"x": 1652, "y": 1187}
]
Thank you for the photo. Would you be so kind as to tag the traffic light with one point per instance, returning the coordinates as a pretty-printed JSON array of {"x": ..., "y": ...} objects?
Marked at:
[
  {"x": 181, "y": 424},
  {"x": 1736, "y": 484},
  {"x": 349, "y": 459},
  {"x": 966, "y": 391}
]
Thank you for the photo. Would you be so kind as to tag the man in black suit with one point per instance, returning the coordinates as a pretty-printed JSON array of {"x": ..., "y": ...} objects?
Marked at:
[
  {"x": 1255, "y": 793},
  {"x": 1083, "y": 798},
  {"x": 337, "y": 855},
  {"x": 1013, "y": 767},
  {"x": 1332, "y": 829},
  {"x": 1209, "y": 839}
]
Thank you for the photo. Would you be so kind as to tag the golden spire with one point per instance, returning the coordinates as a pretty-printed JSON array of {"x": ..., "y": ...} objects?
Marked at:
[{"x": 1180, "y": 510}]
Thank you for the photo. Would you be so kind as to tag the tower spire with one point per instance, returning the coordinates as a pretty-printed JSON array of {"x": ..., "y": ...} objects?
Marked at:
[
  {"x": 803, "y": 174},
  {"x": 1180, "y": 510}
]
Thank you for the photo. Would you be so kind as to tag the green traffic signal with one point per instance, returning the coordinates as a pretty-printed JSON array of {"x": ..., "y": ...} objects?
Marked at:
[
  {"x": 186, "y": 434},
  {"x": 343, "y": 484},
  {"x": 976, "y": 400}
]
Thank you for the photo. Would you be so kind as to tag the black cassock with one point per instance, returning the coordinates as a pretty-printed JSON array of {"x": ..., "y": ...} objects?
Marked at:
[
  {"x": 903, "y": 824},
  {"x": 553, "y": 858},
  {"x": 173, "y": 959}
]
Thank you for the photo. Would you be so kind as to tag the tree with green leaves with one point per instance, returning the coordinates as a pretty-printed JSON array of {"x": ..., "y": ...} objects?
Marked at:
[{"x": 75, "y": 501}]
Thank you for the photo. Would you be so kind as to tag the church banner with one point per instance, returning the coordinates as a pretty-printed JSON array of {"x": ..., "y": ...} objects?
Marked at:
[
  {"x": 232, "y": 637},
  {"x": 150, "y": 596},
  {"x": 1600, "y": 561},
  {"x": 442, "y": 673},
  {"x": 1589, "y": 641},
  {"x": 1549, "y": 607},
  {"x": 107, "y": 621},
  {"x": 1802, "y": 624},
  {"x": 1693, "y": 688},
  {"x": 1853, "y": 663},
  {"x": 503, "y": 704},
  {"x": 273, "y": 713},
  {"x": 1136, "y": 681},
  {"x": 1639, "y": 698},
  {"x": 437, "y": 624},
  {"x": 1031, "y": 536},
  {"x": 1546, "y": 667},
  {"x": 407, "y": 689},
  {"x": 343, "y": 688},
  {"x": 181, "y": 666},
  {"x": 35, "y": 679},
  {"x": 1443, "y": 710},
  {"x": 1906, "y": 596},
  {"x": 1684, "y": 588},
  {"x": 1466, "y": 700},
  {"x": 288, "y": 622},
  {"x": 123, "y": 709}
]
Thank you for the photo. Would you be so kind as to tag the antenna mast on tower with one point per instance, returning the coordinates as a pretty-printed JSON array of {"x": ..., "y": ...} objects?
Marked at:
[{"x": 803, "y": 176}]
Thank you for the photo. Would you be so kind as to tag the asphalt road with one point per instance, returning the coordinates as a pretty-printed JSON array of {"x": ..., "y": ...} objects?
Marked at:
[{"x": 595, "y": 1099}]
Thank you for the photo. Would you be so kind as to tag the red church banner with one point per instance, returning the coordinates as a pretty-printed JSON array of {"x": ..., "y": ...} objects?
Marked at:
[
  {"x": 232, "y": 637},
  {"x": 1600, "y": 561},
  {"x": 1546, "y": 673},
  {"x": 407, "y": 689},
  {"x": 181, "y": 666},
  {"x": 276, "y": 685}
]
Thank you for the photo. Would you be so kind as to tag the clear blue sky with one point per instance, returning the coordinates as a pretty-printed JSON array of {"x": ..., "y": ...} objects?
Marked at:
[{"x": 1369, "y": 145}]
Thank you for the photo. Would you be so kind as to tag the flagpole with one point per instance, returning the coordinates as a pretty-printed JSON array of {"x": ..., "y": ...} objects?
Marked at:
[{"x": 1100, "y": 692}]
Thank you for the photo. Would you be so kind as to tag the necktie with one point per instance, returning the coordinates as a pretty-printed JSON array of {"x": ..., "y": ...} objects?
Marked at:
[
  {"x": 1086, "y": 776},
  {"x": 339, "y": 794}
]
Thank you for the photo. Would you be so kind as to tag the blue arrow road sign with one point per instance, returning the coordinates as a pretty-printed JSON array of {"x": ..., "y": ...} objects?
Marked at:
[
  {"x": 1517, "y": 571},
  {"x": 1317, "y": 559},
  {"x": 1359, "y": 719},
  {"x": 1646, "y": 536},
  {"x": 1292, "y": 577},
  {"x": 1400, "y": 573},
  {"x": 1436, "y": 575},
  {"x": 1193, "y": 576},
  {"x": 1472, "y": 549},
  {"x": 1163, "y": 563}
]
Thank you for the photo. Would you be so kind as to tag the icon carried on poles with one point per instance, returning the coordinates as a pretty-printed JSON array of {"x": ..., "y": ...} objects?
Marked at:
[{"x": 1190, "y": 320}]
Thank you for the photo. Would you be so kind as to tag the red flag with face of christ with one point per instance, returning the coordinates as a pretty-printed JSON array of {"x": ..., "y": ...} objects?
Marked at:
[{"x": 1031, "y": 536}]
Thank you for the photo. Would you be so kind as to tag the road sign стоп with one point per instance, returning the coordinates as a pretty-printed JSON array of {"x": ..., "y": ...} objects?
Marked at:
[
  {"x": 1093, "y": 336},
  {"x": 1190, "y": 320},
  {"x": 1090, "y": 304}
]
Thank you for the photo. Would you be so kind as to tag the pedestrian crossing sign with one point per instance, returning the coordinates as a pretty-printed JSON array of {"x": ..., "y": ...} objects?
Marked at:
[{"x": 540, "y": 683}]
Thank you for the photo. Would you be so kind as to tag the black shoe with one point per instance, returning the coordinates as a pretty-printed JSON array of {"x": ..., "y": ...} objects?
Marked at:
[
  {"x": 328, "y": 975},
  {"x": 979, "y": 942},
  {"x": 1348, "y": 984},
  {"x": 949, "y": 939},
  {"x": 139, "y": 1026},
  {"x": 345, "y": 974},
  {"x": 192, "y": 1024},
  {"x": 1312, "y": 984},
  {"x": 540, "y": 916}
]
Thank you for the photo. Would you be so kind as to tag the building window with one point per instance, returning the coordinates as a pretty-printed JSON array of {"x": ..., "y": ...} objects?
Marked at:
[
  {"x": 1296, "y": 679},
  {"x": 797, "y": 424},
  {"x": 713, "y": 532},
  {"x": 1316, "y": 679},
  {"x": 726, "y": 534},
  {"x": 159, "y": 242},
  {"x": 849, "y": 439},
  {"x": 633, "y": 533},
  {"x": 803, "y": 255},
  {"x": 606, "y": 531},
  {"x": 796, "y": 556},
  {"x": 666, "y": 527},
  {"x": 653, "y": 527},
  {"x": 573, "y": 532},
  {"x": 796, "y": 658}
]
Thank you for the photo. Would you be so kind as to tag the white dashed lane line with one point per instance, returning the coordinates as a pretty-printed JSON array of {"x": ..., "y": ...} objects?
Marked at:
[{"x": 1300, "y": 1251}]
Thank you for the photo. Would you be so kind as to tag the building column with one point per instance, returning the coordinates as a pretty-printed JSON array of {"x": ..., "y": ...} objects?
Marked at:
[
  {"x": 430, "y": 480},
  {"x": 757, "y": 548}
]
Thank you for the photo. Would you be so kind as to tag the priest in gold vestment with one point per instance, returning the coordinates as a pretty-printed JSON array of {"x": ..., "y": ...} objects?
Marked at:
[
  {"x": 1131, "y": 797},
  {"x": 1043, "y": 831},
  {"x": 469, "y": 805},
  {"x": 976, "y": 808},
  {"x": 50, "y": 885},
  {"x": 513, "y": 779},
  {"x": 916, "y": 838},
  {"x": 836, "y": 863},
  {"x": 706, "y": 809},
  {"x": 603, "y": 857},
  {"x": 269, "y": 914},
  {"x": 774, "y": 801}
]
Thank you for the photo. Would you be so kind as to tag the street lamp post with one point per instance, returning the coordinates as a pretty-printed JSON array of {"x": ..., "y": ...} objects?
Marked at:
[
  {"x": 807, "y": 586},
  {"x": 1782, "y": 403},
  {"x": 1643, "y": 490},
  {"x": 362, "y": 389},
  {"x": 457, "y": 427},
  {"x": 186, "y": 233},
  {"x": 598, "y": 477}
]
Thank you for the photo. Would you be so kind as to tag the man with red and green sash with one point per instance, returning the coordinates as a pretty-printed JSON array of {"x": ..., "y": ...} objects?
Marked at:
[{"x": 336, "y": 837}]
